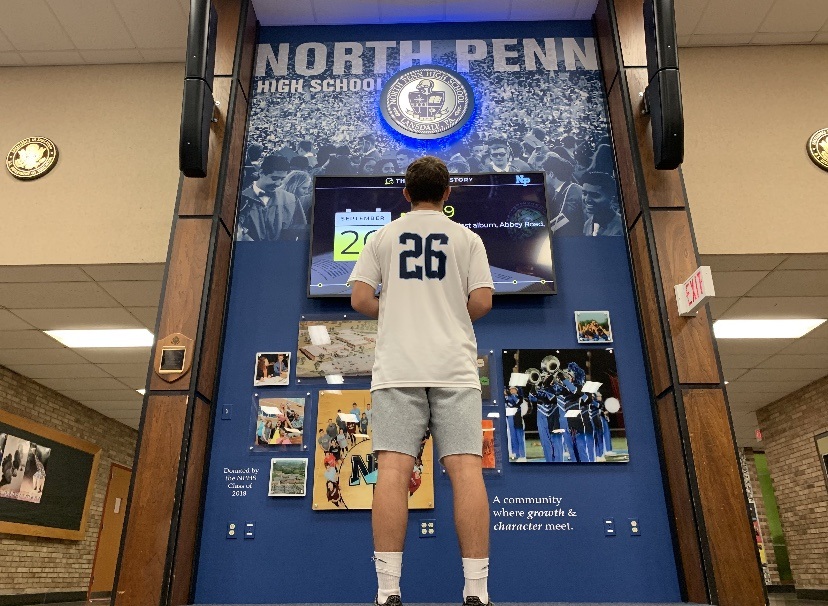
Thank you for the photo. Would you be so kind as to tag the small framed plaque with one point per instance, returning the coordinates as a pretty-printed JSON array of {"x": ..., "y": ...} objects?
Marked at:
[{"x": 173, "y": 357}]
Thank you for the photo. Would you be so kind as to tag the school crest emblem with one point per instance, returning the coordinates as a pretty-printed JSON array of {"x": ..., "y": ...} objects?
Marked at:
[{"x": 427, "y": 102}]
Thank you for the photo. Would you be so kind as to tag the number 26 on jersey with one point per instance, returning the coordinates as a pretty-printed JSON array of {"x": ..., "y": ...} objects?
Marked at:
[{"x": 423, "y": 259}]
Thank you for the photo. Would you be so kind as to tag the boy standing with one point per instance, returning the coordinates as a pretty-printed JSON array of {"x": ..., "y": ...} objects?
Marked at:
[{"x": 436, "y": 281}]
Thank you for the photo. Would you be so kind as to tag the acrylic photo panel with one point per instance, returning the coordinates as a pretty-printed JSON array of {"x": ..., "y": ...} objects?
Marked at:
[
  {"x": 278, "y": 422},
  {"x": 272, "y": 369},
  {"x": 593, "y": 327},
  {"x": 345, "y": 467},
  {"x": 485, "y": 379},
  {"x": 288, "y": 478},
  {"x": 552, "y": 419},
  {"x": 334, "y": 349}
]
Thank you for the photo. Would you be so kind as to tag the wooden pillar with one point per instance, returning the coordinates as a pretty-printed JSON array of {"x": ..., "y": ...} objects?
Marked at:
[
  {"x": 715, "y": 552},
  {"x": 160, "y": 544}
]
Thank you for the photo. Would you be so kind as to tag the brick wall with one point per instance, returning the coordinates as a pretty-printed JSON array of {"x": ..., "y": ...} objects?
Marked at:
[
  {"x": 38, "y": 565},
  {"x": 788, "y": 429},
  {"x": 756, "y": 490}
]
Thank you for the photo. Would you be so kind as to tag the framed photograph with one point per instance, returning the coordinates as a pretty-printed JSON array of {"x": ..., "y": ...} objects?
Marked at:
[
  {"x": 483, "y": 373},
  {"x": 335, "y": 349},
  {"x": 172, "y": 359},
  {"x": 272, "y": 368},
  {"x": 288, "y": 478},
  {"x": 593, "y": 327},
  {"x": 46, "y": 480},
  {"x": 564, "y": 406},
  {"x": 345, "y": 469},
  {"x": 279, "y": 421}
]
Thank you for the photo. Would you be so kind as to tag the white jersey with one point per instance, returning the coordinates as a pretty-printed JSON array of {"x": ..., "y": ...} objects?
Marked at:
[{"x": 428, "y": 265}]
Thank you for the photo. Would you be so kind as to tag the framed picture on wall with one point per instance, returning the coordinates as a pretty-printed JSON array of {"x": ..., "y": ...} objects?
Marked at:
[
  {"x": 46, "y": 479},
  {"x": 822, "y": 449},
  {"x": 272, "y": 368},
  {"x": 593, "y": 327}
]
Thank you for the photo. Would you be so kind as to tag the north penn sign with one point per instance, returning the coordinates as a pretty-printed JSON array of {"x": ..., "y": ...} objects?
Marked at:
[{"x": 427, "y": 102}]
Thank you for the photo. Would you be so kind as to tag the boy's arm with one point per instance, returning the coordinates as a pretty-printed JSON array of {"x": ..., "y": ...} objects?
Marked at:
[
  {"x": 363, "y": 299},
  {"x": 480, "y": 302}
]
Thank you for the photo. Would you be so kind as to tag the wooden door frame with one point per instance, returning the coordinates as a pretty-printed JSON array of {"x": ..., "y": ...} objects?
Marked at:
[{"x": 98, "y": 539}]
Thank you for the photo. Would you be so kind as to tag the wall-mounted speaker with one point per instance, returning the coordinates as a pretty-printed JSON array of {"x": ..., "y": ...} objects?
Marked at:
[
  {"x": 663, "y": 93},
  {"x": 198, "y": 104}
]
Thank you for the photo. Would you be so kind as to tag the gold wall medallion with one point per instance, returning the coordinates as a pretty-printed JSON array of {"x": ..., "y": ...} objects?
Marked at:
[
  {"x": 818, "y": 148},
  {"x": 32, "y": 157}
]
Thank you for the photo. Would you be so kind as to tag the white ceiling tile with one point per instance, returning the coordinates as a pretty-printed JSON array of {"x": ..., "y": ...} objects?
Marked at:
[
  {"x": 806, "y": 375},
  {"x": 537, "y": 10},
  {"x": 753, "y": 401},
  {"x": 777, "y": 388},
  {"x": 125, "y": 370},
  {"x": 731, "y": 374},
  {"x": 185, "y": 7},
  {"x": 792, "y": 283},
  {"x": 753, "y": 347},
  {"x": 103, "y": 395},
  {"x": 7, "y": 58},
  {"x": 354, "y": 11},
  {"x": 795, "y": 16},
  {"x": 52, "y": 58},
  {"x": 134, "y": 294},
  {"x": 154, "y": 23},
  {"x": 736, "y": 283},
  {"x": 27, "y": 339},
  {"x": 819, "y": 261},
  {"x": 742, "y": 262},
  {"x": 796, "y": 361},
  {"x": 805, "y": 346},
  {"x": 820, "y": 332},
  {"x": 820, "y": 38},
  {"x": 9, "y": 321},
  {"x": 164, "y": 55},
  {"x": 106, "y": 30},
  {"x": 87, "y": 317},
  {"x": 401, "y": 11},
  {"x": 31, "y": 26},
  {"x": 134, "y": 382},
  {"x": 58, "y": 371},
  {"x": 39, "y": 356},
  {"x": 54, "y": 295},
  {"x": 585, "y": 9},
  {"x": 119, "y": 408},
  {"x": 742, "y": 360},
  {"x": 5, "y": 45},
  {"x": 116, "y": 355},
  {"x": 110, "y": 57},
  {"x": 285, "y": 12},
  {"x": 786, "y": 38},
  {"x": 125, "y": 271},
  {"x": 719, "y": 305},
  {"x": 778, "y": 307},
  {"x": 688, "y": 13},
  {"x": 473, "y": 10},
  {"x": 728, "y": 17},
  {"x": 146, "y": 315},
  {"x": 42, "y": 273},
  {"x": 683, "y": 40},
  {"x": 81, "y": 383},
  {"x": 720, "y": 39}
]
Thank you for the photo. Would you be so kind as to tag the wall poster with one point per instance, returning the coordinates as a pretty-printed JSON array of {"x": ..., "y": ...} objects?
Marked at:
[{"x": 346, "y": 470}]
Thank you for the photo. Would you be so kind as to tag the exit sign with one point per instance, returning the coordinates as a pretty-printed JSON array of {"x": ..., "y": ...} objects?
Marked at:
[{"x": 695, "y": 291}]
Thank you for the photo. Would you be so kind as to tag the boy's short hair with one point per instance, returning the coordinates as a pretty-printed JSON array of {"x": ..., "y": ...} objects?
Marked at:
[{"x": 426, "y": 179}]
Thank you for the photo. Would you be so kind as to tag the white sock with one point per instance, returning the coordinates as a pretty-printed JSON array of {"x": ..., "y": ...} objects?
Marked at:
[
  {"x": 389, "y": 571},
  {"x": 476, "y": 572}
]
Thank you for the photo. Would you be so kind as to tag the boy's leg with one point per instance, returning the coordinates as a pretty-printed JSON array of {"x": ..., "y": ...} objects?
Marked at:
[{"x": 389, "y": 515}]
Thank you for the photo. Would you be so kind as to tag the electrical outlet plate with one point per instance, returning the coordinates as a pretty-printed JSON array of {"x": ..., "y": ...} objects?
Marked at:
[
  {"x": 232, "y": 530},
  {"x": 635, "y": 527},
  {"x": 609, "y": 527},
  {"x": 249, "y": 530},
  {"x": 428, "y": 529}
]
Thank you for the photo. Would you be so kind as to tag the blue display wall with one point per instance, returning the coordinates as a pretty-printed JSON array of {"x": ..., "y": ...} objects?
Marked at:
[{"x": 298, "y": 555}]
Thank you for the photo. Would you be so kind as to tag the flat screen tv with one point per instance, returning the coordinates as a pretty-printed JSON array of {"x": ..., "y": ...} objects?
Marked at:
[{"x": 507, "y": 210}]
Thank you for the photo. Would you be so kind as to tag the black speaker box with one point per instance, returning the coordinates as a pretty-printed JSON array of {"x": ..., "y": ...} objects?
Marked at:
[
  {"x": 663, "y": 93},
  {"x": 197, "y": 106}
]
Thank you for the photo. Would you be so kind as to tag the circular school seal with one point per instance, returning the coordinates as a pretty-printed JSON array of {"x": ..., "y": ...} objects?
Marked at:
[
  {"x": 427, "y": 102},
  {"x": 32, "y": 157},
  {"x": 818, "y": 148}
]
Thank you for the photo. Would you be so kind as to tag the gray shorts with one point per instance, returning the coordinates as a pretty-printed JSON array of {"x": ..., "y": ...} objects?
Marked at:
[{"x": 400, "y": 417}]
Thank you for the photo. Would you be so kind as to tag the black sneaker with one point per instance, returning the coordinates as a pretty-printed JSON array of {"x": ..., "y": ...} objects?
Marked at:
[
  {"x": 393, "y": 600},
  {"x": 473, "y": 600}
]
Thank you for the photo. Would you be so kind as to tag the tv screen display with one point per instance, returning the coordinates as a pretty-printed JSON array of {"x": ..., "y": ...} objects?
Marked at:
[{"x": 508, "y": 211}]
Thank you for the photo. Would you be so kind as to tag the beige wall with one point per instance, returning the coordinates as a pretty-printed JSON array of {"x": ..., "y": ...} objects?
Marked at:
[
  {"x": 111, "y": 196},
  {"x": 748, "y": 115}
]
